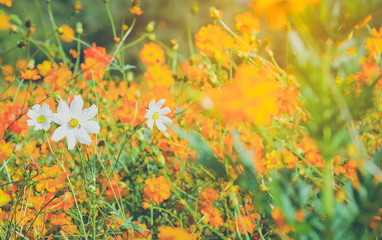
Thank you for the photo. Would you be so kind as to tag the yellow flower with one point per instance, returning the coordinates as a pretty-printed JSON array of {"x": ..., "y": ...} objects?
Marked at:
[
  {"x": 4, "y": 21},
  {"x": 67, "y": 33},
  {"x": 4, "y": 198},
  {"x": 7, "y": 3},
  {"x": 277, "y": 11}
]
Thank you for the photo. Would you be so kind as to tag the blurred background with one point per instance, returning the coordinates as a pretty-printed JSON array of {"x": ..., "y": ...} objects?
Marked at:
[{"x": 171, "y": 18}]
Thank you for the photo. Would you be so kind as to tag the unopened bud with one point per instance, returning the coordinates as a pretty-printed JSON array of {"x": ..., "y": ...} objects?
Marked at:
[
  {"x": 77, "y": 7},
  {"x": 60, "y": 30},
  {"x": 194, "y": 9},
  {"x": 215, "y": 14},
  {"x": 125, "y": 27},
  {"x": 150, "y": 27},
  {"x": 116, "y": 40},
  {"x": 151, "y": 37},
  {"x": 12, "y": 29},
  {"x": 28, "y": 23},
  {"x": 79, "y": 29},
  {"x": 213, "y": 80},
  {"x": 174, "y": 45}
]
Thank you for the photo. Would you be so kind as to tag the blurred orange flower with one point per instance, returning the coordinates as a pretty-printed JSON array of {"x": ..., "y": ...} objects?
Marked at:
[
  {"x": 247, "y": 23},
  {"x": 136, "y": 10},
  {"x": 30, "y": 74},
  {"x": 157, "y": 190},
  {"x": 172, "y": 233},
  {"x": 4, "y": 21},
  {"x": 67, "y": 33},
  {"x": 7, "y": 3},
  {"x": 159, "y": 76},
  {"x": 151, "y": 54},
  {"x": 277, "y": 11}
]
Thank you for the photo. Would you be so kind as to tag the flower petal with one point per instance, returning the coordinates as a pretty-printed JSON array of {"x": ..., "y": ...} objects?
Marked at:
[
  {"x": 164, "y": 111},
  {"x": 37, "y": 109},
  {"x": 160, "y": 104},
  {"x": 91, "y": 126},
  {"x": 83, "y": 136},
  {"x": 59, "y": 133},
  {"x": 152, "y": 104},
  {"x": 165, "y": 119},
  {"x": 160, "y": 125},
  {"x": 31, "y": 122},
  {"x": 150, "y": 123},
  {"x": 32, "y": 114},
  {"x": 88, "y": 113},
  {"x": 71, "y": 138},
  {"x": 46, "y": 110},
  {"x": 76, "y": 106},
  {"x": 60, "y": 118},
  {"x": 63, "y": 108}
]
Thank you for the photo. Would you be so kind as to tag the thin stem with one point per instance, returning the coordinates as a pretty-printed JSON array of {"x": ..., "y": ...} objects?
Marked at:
[
  {"x": 55, "y": 33},
  {"x": 111, "y": 19}
]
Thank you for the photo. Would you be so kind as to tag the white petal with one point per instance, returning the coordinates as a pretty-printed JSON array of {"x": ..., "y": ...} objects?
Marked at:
[
  {"x": 160, "y": 125},
  {"x": 164, "y": 111},
  {"x": 59, "y": 133},
  {"x": 150, "y": 123},
  {"x": 45, "y": 126},
  {"x": 60, "y": 118},
  {"x": 90, "y": 126},
  {"x": 32, "y": 114},
  {"x": 165, "y": 119},
  {"x": 160, "y": 104},
  {"x": 152, "y": 104},
  {"x": 46, "y": 110},
  {"x": 76, "y": 106},
  {"x": 148, "y": 115},
  {"x": 88, "y": 113},
  {"x": 31, "y": 122},
  {"x": 83, "y": 136},
  {"x": 63, "y": 108},
  {"x": 71, "y": 138},
  {"x": 37, "y": 109}
]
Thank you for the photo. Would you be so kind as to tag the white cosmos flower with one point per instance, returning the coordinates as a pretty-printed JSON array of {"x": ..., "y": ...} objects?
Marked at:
[
  {"x": 156, "y": 114},
  {"x": 40, "y": 117},
  {"x": 75, "y": 122}
]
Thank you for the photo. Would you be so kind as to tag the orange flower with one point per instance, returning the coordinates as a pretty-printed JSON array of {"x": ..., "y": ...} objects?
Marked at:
[
  {"x": 51, "y": 179},
  {"x": 4, "y": 198},
  {"x": 136, "y": 10},
  {"x": 6, "y": 149},
  {"x": 172, "y": 233},
  {"x": 207, "y": 197},
  {"x": 7, "y": 3},
  {"x": 58, "y": 76},
  {"x": 247, "y": 23},
  {"x": 67, "y": 33},
  {"x": 7, "y": 73},
  {"x": 74, "y": 53},
  {"x": 157, "y": 190},
  {"x": 30, "y": 74},
  {"x": 99, "y": 54},
  {"x": 248, "y": 222},
  {"x": 159, "y": 76},
  {"x": 253, "y": 95},
  {"x": 273, "y": 160},
  {"x": 44, "y": 68},
  {"x": 213, "y": 217},
  {"x": 151, "y": 54},
  {"x": 277, "y": 11},
  {"x": 370, "y": 72},
  {"x": 213, "y": 41},
  {"x": 93, "y": 69},
  {"x": 4, "y": 21}
]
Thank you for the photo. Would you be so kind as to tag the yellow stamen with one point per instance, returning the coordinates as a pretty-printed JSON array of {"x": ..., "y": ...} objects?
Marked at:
[
  {"x": 73, "y": 123},
  {"x": 41, "y": 119},
  {"x": 156, "y": 116}
]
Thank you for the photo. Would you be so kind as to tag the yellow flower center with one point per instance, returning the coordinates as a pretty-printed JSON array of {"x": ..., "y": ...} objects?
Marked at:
[
  {"x": 156, "y": 116},
  {"x": 41, "y": 119},
  {"x": 73, "y": 123}
]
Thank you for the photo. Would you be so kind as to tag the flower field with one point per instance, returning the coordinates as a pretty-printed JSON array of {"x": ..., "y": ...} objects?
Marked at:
[{"x": 257, "y": 120}]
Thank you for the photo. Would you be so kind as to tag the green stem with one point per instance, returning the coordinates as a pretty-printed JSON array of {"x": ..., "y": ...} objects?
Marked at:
[
  {"x": 111, "y": 19},
  {"x": 55, "y": 33},
  {"x": 328, "y": 198}
]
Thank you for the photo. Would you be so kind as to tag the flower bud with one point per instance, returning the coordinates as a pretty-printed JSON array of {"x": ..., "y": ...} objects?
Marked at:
[
  {"x": 77, "y": 7},
  {"x": 150, "y": 27},
  {"x": 194, "y": 9},
  {"x": 174, "y": 45},
  {"x": 215, "y": 14},
  {"x": 79, "y": 29}
]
